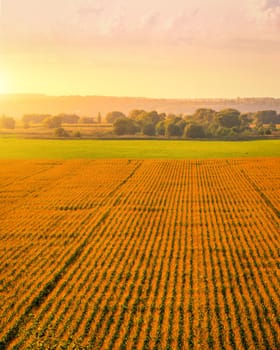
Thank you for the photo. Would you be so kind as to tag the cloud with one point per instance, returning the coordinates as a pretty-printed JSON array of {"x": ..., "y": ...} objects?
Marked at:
[
  {"x": 90, "y": 23},
  {"x": 271, "y": 4},
  {"x": 268, "y": 12},
  {"x": 272, "y": 11}
]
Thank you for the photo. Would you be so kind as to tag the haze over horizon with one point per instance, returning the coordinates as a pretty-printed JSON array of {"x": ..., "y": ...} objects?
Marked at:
[
  {"x": 153, "y": 49},
  {"x": 69, "y": 95}
]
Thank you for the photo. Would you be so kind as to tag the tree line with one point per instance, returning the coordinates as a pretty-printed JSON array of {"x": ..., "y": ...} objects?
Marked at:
[
  {"x": 52, "y": 121},
  {"x": 204, "y": 123}
]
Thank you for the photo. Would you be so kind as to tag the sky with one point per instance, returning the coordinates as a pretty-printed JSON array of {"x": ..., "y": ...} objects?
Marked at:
[{"x": 148, "y": 48}]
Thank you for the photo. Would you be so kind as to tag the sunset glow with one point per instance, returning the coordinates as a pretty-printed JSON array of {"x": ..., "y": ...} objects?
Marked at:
[
  {"x": 154, "y": 48},
  {"x": 4, "y": 88}
]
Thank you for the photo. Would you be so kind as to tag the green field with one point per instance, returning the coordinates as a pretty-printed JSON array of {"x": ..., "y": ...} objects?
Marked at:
[{"x": 12, "y": 148}]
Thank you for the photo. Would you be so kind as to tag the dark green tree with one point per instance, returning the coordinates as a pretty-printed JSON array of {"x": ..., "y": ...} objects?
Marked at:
[
  {"x": 246, "y": 119},
  {"x": 172, "y": 129},
  {"x": 125, "y": 126},
  {"x": 228, "y": 118},
  {"x": 267, "y": 117},
  {"x": 204, "y": 115},
  {"x": 135, "y": 114},
  {"x": 113, "y": 116},
  {"x": 160, "y": 128},
  {"x": 182, "y": 124},
  {"x": 149, "y": 129},
  {"x": 194, "y": 131}
]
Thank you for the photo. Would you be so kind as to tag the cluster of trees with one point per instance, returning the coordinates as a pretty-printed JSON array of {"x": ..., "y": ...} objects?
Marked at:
[
  {"x": 57, "y": 120},
  {"x": 7, "y": 122},
  {"x": 203, "y": 123}
]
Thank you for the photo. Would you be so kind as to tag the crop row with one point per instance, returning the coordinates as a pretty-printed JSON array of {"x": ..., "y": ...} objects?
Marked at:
[{"x": 142, "y": 254}]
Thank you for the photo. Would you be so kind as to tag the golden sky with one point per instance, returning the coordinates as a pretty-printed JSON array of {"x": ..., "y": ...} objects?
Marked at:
[{"x": 152, "y": 48}]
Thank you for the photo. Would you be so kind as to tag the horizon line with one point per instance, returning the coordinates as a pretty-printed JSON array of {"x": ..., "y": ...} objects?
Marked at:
[{"x": 137, "y": 97}]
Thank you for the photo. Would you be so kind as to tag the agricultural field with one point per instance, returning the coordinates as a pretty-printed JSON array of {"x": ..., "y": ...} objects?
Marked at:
[
  {"x": 140, "y": 254},
  {"x": 18, "y": 148},
  {"x": 42, "y": 132}
]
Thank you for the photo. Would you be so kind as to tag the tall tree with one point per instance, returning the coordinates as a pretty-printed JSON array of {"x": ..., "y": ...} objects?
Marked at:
[
  {"x": 229, "y": 118},
  {"x": 111, "y": 117}
]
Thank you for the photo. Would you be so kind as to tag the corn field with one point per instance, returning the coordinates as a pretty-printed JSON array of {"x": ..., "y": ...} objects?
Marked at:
[{"x": 140, "y": 254}]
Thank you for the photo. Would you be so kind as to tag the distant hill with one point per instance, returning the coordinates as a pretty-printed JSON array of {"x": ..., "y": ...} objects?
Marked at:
[{"x": 16, "y": 105}]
